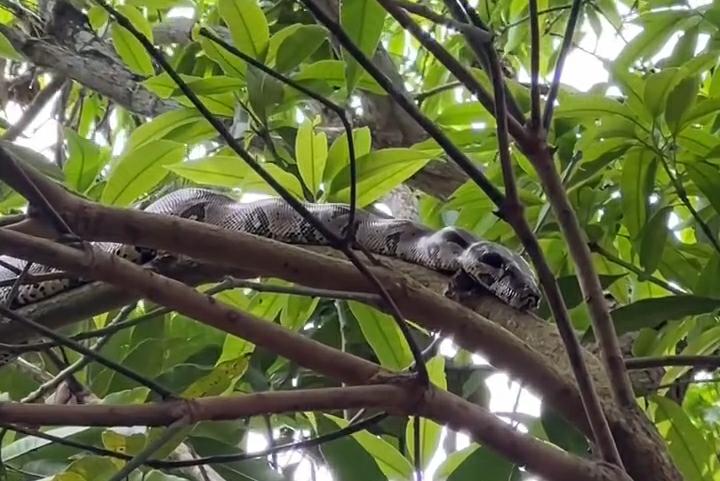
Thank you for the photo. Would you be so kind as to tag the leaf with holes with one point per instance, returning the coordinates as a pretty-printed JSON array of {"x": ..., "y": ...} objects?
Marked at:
[{"x": 139, "y": 171}]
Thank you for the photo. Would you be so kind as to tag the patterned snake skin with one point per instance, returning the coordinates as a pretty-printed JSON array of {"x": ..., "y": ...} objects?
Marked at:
[{"x": 450, "y": 251}]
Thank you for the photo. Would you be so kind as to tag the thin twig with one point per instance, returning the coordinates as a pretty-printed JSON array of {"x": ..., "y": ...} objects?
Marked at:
[
  {"x": 308, "y": 291},
  {"x": 484, "y": 52},
  {"x": 76, "y": 346},
  {"x": 642, "y": 275},
  {"x": 352, "y": 428},
  {"x": 564, "y": 50},
  {"x": 17, "y": 282},
  {"x": 79, "y": 364},
  {"x": 333, "y": 239},
  {"x": 151, "y": 449},
  {"x": 428, "y": 13},
  {"x": 534, "y": 66},
  {"x": 37, "y": 104},
  {"x": 417, "y": 448},
  {"x": 513, "y": 209},
  {"x": 680, "y": 360},
  {"x": 538, "y": 14}
]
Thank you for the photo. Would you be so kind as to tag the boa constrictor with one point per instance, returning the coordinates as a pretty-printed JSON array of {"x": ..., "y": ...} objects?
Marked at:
[{"x": 451, "y": 251}]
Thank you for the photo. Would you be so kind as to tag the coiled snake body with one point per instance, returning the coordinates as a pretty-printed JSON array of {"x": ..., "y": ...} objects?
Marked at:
[{"x": 450, "y": 251}]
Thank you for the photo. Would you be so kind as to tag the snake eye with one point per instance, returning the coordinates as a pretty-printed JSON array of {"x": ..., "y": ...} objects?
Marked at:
[{"x": 493, "y": 259}]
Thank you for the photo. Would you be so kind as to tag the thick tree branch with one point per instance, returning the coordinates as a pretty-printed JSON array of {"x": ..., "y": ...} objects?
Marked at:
[
  {"x": 549, "y": 376},
  {"x": 445, "y": 408}
]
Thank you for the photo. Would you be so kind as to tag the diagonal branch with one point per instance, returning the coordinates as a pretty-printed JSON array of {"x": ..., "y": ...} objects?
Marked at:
[
  {"x": 513, "y": 209},
  {"x": 564, "y": 50}
]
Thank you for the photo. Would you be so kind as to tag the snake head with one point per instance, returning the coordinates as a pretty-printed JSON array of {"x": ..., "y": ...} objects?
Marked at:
[{"x": 502, "y": 272}]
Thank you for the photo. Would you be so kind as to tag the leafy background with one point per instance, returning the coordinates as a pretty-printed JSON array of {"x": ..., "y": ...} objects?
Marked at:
[{"x": 637, "y": 145}]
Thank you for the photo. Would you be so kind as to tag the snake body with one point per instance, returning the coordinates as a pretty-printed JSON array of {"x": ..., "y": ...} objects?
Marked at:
[{"x": 451, "y": 251}]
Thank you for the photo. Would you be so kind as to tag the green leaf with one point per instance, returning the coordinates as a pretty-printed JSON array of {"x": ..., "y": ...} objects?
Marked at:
[
  {"x": 230, "y": 63},
  {"x": 707, "y": 178},
  {"x": 657, "y": 87},
  {"x": 29, "y": 444},
  {"x": 333, "y": 72},
  {"x": 430, "y": 431},
  {"x": 98, "y": 17},
  {"x": 138, "y": 171},
  {"x": 292, "y": 48},
  {"x": 7, "y": 50},
  {"x": 483, "y": 460},
  {"x": 129, "y": 48},
  {"x": 220, "y": 170},
  {"x": 378, "y": 173},
  {"x": 264, "y": 91},
  {"x": 654, "y": 311},
  {"x": 692, "y": 453},
  {"x": 392, "y": 463},
  {"x": 311, "y": 155},
  {"x": 654, "y": 237},
  {"x": 637, "y": 181},
  {"x": 297, "y": 311},
  {"x": 161, "y": 4},
  {"x": 363, "y": 21},
  {"x": 383, "y": 335},
  {"x": 592, "y": 106},
  {"x": 701, "y": 110},
  {"x": 453, "y": 461},
  {"x": 160, "y": 126},
  {"x": 465, "y": 114},
  {"x": 339, "y": 154},
  {"x": 155, "y": 475},
  {"x": 85, "y": 159},
  {"x": 705, "y": 343},
  {"x": 248, "y": 26},
  {"x": 680, "y": 100}
]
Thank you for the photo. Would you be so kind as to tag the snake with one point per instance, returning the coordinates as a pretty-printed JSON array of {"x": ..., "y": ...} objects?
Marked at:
[{"x": 481, "y": 264}]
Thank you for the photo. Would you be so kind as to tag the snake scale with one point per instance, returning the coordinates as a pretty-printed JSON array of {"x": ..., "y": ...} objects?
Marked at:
[{"x": 451, "y": 251}]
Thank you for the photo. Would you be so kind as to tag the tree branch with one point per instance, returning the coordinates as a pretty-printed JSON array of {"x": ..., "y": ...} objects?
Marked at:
[
  {"x": 680, "y": 360},
  {"x": 513, "y": 209},
  {"x": 564, "y": 50},
  {"x": 37, "y": 104}
]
